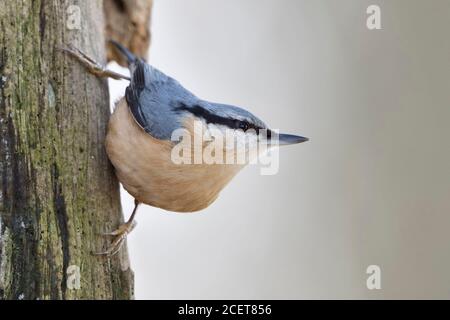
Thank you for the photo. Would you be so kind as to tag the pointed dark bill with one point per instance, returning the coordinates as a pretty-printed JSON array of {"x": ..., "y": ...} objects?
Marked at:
[
  {"x": 282, "y": 139},
  {"x": 287, "y": 139}
]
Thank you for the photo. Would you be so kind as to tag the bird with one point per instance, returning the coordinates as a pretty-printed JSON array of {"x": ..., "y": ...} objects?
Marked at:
[{"x": 139, "y": 140}]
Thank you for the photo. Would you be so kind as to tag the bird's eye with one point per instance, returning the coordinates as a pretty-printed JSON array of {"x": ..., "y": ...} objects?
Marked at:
[{"x": 243, "y": 125}]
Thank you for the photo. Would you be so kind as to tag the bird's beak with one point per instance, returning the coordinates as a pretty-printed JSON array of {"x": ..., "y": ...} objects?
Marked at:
[{"x": 287, "y": 139}]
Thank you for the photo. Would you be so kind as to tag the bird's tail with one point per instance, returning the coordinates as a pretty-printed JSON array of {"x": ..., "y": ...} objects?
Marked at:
[{"x": 127, "y": 53}]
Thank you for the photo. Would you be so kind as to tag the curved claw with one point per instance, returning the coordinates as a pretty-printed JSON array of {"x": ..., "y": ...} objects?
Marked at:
[
  {"x": 121, "y": 234},
  {"x": 113, "y": 249},
  {"x": 91, "y": 65},
  {"x": 124, "y": 228}
]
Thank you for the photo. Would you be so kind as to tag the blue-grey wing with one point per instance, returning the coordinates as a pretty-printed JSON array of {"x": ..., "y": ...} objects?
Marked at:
[{"x": 151, "y": 98}]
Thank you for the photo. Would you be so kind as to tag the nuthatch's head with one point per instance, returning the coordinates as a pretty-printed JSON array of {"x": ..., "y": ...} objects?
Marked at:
[{"x": 239, "y": 125}]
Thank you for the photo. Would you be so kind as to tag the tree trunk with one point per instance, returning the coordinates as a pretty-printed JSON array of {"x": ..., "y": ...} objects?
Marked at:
[{"x": 58, "y": 190}]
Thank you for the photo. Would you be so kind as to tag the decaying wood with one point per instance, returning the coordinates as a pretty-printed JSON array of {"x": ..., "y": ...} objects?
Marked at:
[
  {"x": 128, "y": 22},
  {"x": 58, "y": 191}
]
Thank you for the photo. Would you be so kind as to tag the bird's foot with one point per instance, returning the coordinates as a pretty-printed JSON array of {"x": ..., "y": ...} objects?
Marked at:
[
  {"x": 120, "y": 235},
  {"x": 91, "y": 65}
]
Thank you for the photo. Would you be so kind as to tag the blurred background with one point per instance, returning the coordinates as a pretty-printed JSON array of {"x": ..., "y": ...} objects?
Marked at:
[{"x": 372, "y": 187}]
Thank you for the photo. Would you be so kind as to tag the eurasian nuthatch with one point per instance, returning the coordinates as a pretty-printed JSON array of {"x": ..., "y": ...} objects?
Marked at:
[{"x": 139, "y": 143}]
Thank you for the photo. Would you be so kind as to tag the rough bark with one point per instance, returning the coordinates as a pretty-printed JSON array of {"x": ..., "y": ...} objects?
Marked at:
[
  {"x": 127, "y": 21},
  {"x": 58, "y": 190}
]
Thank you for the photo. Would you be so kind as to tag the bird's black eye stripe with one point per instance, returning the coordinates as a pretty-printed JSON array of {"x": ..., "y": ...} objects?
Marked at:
[{"x": 212, "y": 118}]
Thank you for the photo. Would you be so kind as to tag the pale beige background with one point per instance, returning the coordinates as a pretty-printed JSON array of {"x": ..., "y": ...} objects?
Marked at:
[{"x": 371, "y": 187}]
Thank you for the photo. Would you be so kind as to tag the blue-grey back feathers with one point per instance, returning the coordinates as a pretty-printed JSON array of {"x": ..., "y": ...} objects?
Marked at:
[{"x": 151, "y": 97}]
